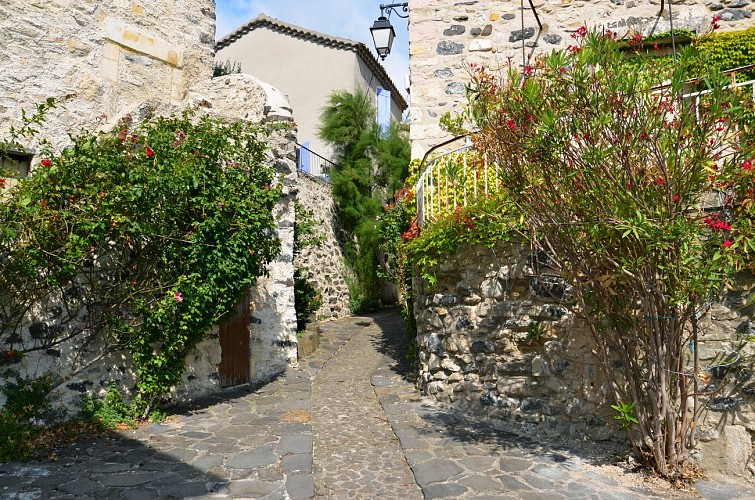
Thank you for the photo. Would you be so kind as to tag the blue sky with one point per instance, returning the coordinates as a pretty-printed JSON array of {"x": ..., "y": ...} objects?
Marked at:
[{"x": 344, "y": 18}]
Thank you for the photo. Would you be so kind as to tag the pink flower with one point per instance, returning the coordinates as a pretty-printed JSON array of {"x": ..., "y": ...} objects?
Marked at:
[
  {"x": 377, "y": 217},
  {"x": 178, "y": 296},
  {"x": 727, "y": 244}
]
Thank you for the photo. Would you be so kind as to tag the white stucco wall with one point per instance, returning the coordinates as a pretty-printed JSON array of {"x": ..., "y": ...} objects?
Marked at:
[{"x": 305, "y": 70}]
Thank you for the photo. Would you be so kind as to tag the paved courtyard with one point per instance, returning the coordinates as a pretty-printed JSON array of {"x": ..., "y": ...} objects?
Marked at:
[{"x": 346, "y": 423}]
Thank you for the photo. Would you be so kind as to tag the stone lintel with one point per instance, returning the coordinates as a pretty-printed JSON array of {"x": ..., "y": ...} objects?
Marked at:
[{"x": 130, "y": 37}]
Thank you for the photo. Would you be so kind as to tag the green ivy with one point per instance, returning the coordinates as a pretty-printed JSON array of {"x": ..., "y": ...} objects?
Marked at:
[
  {"x": 730, "y": 50},
  {"x": 486, "y": 222},
  {"x": 307, "y": 298}
]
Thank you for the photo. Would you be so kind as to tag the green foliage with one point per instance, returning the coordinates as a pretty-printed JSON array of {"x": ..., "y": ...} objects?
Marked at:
[
  {"x": 392, "y": 157},
  {"x": 25, "y": 415},
  {"x": 625, "y": 415},
  {"x": 730, "y": 50},
  {"x": 110, "y": 411},
  {"x": 370, "y": 167},
  {"x": 226, "y": 68},
  {"x": 485, "y": 222},
  {"x": 608, "y": 171},
  {"x": 536, "y": 331},
  {"x": 305, "y": 229},
  {"x": 307, "y": 299},
  {"x": 148, "y": 236}
]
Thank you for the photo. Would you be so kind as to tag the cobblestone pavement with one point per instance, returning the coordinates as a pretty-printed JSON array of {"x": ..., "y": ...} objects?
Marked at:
[{"x": 352, "y": 408}]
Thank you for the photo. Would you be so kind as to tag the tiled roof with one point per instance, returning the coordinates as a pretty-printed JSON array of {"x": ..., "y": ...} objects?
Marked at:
[{"x": 328, "y": 40}]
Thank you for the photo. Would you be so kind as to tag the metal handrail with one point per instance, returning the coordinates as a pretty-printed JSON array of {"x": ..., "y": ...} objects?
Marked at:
[
  {"x": 320, "y": 167},
  {"x": 441, "y": 190},
  {"x": 451, "y": 180}
]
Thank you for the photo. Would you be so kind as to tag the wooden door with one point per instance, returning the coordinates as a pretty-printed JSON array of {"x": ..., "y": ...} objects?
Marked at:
[{"x": 234, "y": 345}]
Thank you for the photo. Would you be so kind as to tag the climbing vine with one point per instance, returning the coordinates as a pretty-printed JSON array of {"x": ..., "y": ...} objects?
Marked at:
[{"x": 140, "y": 239}]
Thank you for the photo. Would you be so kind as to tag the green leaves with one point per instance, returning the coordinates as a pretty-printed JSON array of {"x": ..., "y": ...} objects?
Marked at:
[
  {"x": 625, "y": 415},
  {"x": 124, "y": 222}
]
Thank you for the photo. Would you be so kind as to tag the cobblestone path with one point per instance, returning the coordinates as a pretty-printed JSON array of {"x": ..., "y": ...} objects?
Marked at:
[
  {"x": 356, "y": 453},
  {"x": 345, "y": 423}
]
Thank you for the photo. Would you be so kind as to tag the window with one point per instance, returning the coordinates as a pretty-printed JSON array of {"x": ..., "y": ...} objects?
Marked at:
[
  {"x": 383, "y": 109},
  {"x": 304, "y": 157}
]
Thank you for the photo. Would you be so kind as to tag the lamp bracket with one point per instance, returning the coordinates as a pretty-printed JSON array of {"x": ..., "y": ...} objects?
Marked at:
[{"x": 391, "y": 8}]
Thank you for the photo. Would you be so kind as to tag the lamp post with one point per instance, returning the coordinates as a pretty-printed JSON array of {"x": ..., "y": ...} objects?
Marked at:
[{"x": 382, "y": 31}]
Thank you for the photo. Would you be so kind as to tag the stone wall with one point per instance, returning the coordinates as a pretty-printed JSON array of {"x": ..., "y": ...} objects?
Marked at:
[
  {"x": 324, "y": 265},
  {"x": 105, "y": 60},
  {"x": 446, "y": 37},
  {"x": 91, "y": 366},
  {"x": 102, "y": 58},
  {"x": 492, "y": 339}
]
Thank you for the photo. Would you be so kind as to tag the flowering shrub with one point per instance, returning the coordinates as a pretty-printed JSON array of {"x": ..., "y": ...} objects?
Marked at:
[
  {"x": 642, "y": 199},
  {"x": 144, "y": 239}
]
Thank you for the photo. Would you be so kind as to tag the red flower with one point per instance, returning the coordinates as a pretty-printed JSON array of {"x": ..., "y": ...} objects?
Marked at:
[
  {"x": 716, "y": 224},
  {"x": 511, "y": 124},
  {"x": 675, "y": 197},
  {"x": 2, "y": 183},
  {"x": 660, "y": 181},
  {"x": 149, "y": 152},
  {"x": 727, "y": 244},
  {"x": 562, "y": 70},
  {"x": 747, "y": 165},
  {"x": 655, "y": 46},
  {"x": 46, "y": 163}
]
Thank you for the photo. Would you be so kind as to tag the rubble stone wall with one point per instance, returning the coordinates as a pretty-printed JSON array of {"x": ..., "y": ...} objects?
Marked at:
[
  {"x": 99, "y": 58},
  {"x": 446, "y": 37},
  {"x": 323, "y": 265},
  {"x": 492, "y": 338}
]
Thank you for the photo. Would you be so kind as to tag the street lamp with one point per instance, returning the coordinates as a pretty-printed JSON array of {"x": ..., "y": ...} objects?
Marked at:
[{"x": 382, "y": 31}]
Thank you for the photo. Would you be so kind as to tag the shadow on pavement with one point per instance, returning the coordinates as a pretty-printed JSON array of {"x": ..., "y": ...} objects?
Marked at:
[
  {"x": 392, "y": 342},
  {"x": 112, "y": 466}
]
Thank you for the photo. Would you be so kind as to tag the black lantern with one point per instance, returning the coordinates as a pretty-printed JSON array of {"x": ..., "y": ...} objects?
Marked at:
[
  {"x": 382, "y": 31},
  {"x": 383, "y": 35}
]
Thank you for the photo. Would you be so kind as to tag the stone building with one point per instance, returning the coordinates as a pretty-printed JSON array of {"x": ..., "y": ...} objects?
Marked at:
[
  {"x": 106, "y": 60},
  {"x": 446, "y": 37},
  {"x": 491, "y": 337}
]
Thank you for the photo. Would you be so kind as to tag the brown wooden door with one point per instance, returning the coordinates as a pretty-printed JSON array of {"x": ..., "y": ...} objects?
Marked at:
[{"x": 234, "y": 345}]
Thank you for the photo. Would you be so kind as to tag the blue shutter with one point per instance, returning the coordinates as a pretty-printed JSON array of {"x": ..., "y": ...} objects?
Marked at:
[
  {"x": 383, "y": 110},
  {"x": 304, "y": 157}
]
